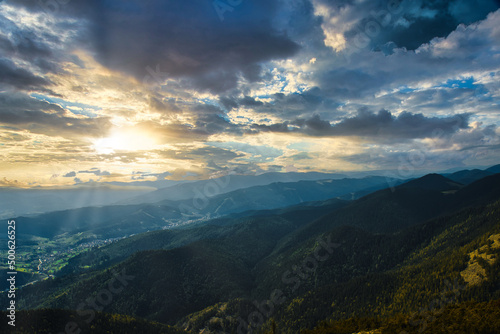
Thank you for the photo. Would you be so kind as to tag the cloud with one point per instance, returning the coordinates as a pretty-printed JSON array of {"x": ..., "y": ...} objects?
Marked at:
[
  {"x": 12, "y": 183},
  {"x": 32, "y": 46},
  {"x": 163, "y": 105},
  {"x": 95, "y": 171},
  {"x": 138, "y": 175},
  {"x": 404, "y": 23},
  {"x": 213, "y": 159},
  {"x": 285, "y": 106},
  {"x": 243, "y": 94},
  {"x": 468, "y": 50},
  {"x": 47, "y": 118},
  {"x": 301, "y": 156},
  {"x": 379, "y": 126},
  {"x": 178, "y": 39},
  {"x": 13, "y": 76}
]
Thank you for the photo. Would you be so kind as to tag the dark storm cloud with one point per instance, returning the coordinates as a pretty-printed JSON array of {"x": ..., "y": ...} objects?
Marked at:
[
  {"x": 249, "y": 101},
  {"x": 429, "y": 19},
  {"x": 13, "y": 76},
  {"x": 30, "y": 46},
  {"x": 46, "y": 118},
  {"x": 163, "y": 105},
  {"x": 406, "y": 125},
  {"x": 405, "y": 23},
  {"x": 211, "y": 119},
  {"x": 380, "y": 126},
  {"x": 157, "y": 39},
  {"x": 352, "y": 83},
  {"x": 18, "y": 41},
  {"x": 288, "y": 106},
  {"x": 7, "y": 47}
]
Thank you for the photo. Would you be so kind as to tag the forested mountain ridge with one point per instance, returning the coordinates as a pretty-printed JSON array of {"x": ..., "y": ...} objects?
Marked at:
[
  {"x": 375, "y": 262},
  {"x": 209, "y": 202},
  {"x": 424, "y": 272}
]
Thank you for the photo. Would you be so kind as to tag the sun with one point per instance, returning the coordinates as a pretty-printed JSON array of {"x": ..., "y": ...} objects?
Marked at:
[{"x": 125, "y": 140}]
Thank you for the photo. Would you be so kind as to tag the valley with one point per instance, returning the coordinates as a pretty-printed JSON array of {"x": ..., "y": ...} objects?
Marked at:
[{"x": 303, "y": 267}]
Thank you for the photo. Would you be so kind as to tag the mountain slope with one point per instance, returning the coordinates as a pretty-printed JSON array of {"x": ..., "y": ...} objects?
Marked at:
[
  {"x": 386, "y": 253},
  {"x": 482, "y": 191},
  {"x": 494, "y": 169},
  {"x": 56, "y": 321},
  {"x": 390, "y": 210},
  {"x": 225, "y": 184},
  {"x": 183, "y": 279},
  {"x": 432, "y": 182},
  {"x": 468, "y": 176},
  {"x": 278, "y": 195},
  {"x": 432, "y": 269},
  {"x": 373, "y": 275},
  {"x": 21, "y": 202},
  {"x": 105, "y": 221},
  {"x": 124, "y": 220}
]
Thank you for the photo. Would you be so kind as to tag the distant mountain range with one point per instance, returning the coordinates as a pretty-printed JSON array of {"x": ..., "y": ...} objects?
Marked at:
[
  {"x": 123, "y": 220},
  {"x": 34, "y": 201},
  {"x": 469, "y": 176},
  {"x": 226, "y": 184}
]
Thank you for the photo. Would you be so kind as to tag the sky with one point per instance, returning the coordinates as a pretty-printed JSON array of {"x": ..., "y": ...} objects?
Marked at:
[{"x": 131, "y": 90}]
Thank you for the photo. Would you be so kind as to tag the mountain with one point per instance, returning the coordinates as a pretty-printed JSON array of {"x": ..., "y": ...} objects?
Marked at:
[
  {"x": 21, "y": 202},
  {"x": 390, "y": 211},
  {"x": 124, "y": 220},
  {"x": 186, "y": 279},
  {"x": 482, "y": 191},
  {"x": 439, "y": 271},
  {"x": 64, "y": 321},
  {"x": 494, "y": 169},
  {"x": 108, "y": 221},
  {"x": 225, "y": 184},
  {"x": 34, "y": 201},
  {"x": 279, "y": 194},
  {"x": 468, "y": 176},
  {"x": 378, "y": 281},
  {"x": 111, "y": 254},
  {"x": 386, "y": 210},
  {"x": 432, "y": 182},
  {"x": 385, "y": 255}
]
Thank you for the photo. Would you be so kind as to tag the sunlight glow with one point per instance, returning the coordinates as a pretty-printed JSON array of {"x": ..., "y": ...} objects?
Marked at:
[{"x": 124, "y": 140}]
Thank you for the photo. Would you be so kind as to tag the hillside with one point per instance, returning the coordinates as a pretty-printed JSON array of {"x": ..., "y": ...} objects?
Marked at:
[
  {"x": 468, "y": 176},
  {"x": 390, "y": 210},
  {"x": 434, "y": 182},
  {"x": 494, "y": 169},
  {"x": 370, "y": 269},
  {"x": 362, "y": 287},
  {"x": 186, "y": 279},
  {"x": 59, "y": 321},
  {"x": 294, "y": 217},
  {"x": 278, "y": 194},
  {"x": 225, "y": 184},
  {"x": 124, "y": 220}
]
